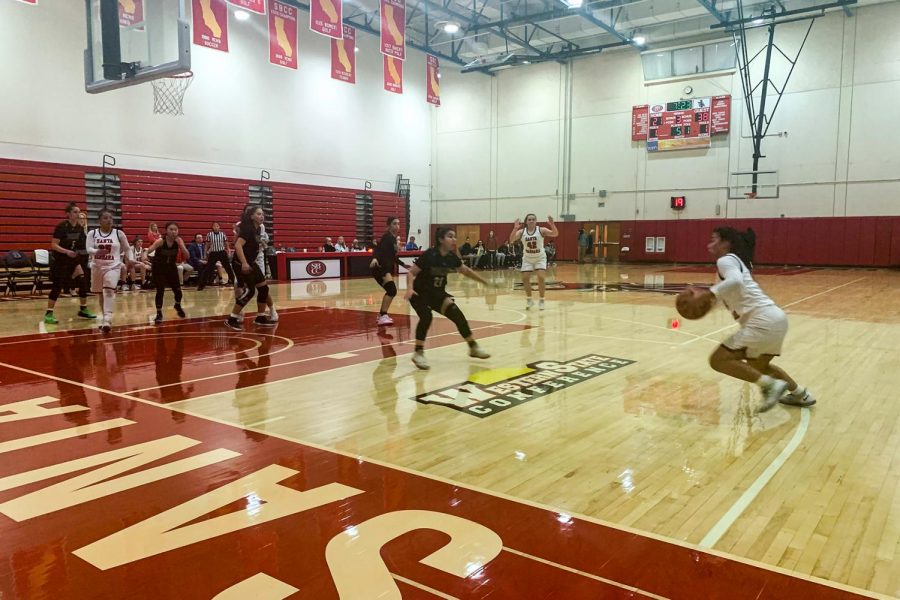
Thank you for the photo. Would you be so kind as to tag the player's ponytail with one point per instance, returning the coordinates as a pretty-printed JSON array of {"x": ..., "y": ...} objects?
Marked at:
[
  {"x": 742, "y": 244},
  {"x": 748, "y": 239}
]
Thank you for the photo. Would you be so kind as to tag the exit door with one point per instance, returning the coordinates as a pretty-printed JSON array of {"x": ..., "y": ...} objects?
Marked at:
[{"x": 606, "y": 241}]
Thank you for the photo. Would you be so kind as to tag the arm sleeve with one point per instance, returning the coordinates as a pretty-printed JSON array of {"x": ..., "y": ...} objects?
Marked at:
[{"x": 731, "y": 274}]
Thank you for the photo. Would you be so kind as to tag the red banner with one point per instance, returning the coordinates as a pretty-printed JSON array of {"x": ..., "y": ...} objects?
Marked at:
[
  {"x": 210, "y": 24},
  {"x": 257, "y": 6},
  {"x": 283, "y": 34},
  {"x": 32, "y": 2},
  {"x": 131, "y": 12},
  {"x": 720, "y": 121},
  {"x": 393, "y": 74},
  {"x": 433, "y": 80},
  {"x": 639, "y": 121},
  {"x": 343, "y": 56},
  {"x": 325, "y": 17},
  {"x": 393, "y": 28}
]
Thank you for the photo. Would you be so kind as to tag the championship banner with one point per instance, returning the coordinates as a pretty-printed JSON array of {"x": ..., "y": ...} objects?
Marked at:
[
  {"x": 210, "y": 24},
  {"x": 343, "y": 56},
  {"x": 393, "y": 28},
  {"x": 433, "y": 80},
  {"x": 283, "y": 34},
  {"x": 393, "y": 74},
  {"x": 257, "y": 6},
  {"x": 131, "y": 12},
  {"x": 325, "y": 17},
  {"x": 640, "y": 122}
]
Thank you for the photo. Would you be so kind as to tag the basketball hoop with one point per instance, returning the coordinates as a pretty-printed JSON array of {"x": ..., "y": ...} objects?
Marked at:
[{"x": 168, "y": 93}]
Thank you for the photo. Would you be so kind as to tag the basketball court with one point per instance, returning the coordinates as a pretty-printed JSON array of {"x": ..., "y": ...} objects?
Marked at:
[{"x": 595, "y": 453}]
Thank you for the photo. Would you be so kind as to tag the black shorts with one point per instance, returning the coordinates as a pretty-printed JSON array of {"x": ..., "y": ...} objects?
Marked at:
[
  {"x": 429, "y": 301},
  {"x": 378, "y": 274},
  {"x": 165, "y": 275},
  {"x": 251, "y": 279},
  {"x": 63, "y": 269}
]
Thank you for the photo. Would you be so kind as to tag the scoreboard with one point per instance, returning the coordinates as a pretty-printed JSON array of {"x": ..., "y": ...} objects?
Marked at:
[{"x": 681, "y": 124}]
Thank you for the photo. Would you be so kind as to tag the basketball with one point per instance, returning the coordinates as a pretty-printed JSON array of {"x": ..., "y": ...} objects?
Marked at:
[{"x": 690, "y": 305}]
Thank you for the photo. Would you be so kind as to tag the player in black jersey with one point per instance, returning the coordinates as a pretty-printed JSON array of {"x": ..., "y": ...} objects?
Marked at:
[
  {"x": 382, "y": 266},
  {"x": 250, "y": 278},
  {"x": 426, "y": 292},
  {"x": 165, "y": 268},
  {"x": 68, "y": 240}
]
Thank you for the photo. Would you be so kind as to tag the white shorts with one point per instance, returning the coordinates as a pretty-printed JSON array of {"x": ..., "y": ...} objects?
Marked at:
[
  {"x": 104, "y": 276},
  {"x": 538, "y": 262},
  {"x": 762, "y": 333}
]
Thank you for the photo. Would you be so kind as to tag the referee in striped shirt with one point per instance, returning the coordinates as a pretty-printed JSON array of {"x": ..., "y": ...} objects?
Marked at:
[{"x": 216, "y": 251}]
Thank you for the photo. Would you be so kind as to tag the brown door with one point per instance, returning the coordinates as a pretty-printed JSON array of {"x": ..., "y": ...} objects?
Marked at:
[
  {"x": 606, "y": 241},
  {"x": 468, "y": 231}
]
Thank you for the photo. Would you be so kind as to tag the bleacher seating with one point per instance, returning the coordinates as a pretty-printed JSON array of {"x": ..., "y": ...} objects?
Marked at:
[{"x": 34, "y": 195}]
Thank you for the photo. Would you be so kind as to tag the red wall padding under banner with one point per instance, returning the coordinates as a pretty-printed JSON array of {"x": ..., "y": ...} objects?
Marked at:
[{"x": 824, "y": 241}]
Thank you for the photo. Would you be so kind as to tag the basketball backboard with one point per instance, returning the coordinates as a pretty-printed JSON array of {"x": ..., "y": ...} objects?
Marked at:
[
  {"x": 134, "y": 41},
  {"x": 752, "y": 184}
]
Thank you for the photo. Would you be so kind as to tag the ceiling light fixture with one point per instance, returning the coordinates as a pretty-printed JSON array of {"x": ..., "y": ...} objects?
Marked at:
[
  {"x": 573, "y": 3},
  {"x": 639, "y": 40},
  {"x": 758, "y": 21},
  {"x": 451, "y": 28},
  {"x": 241, "y": 15}
]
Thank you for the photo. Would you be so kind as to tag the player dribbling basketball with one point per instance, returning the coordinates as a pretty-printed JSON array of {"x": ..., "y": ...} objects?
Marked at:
[
  {"x": 748, "y": 354},
  {"x": 534, "y": 256}
]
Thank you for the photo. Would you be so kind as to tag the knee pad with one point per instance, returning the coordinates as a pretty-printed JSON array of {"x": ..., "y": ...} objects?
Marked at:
[
  {"x": 390, "y": 288},
  {"x": 55, "y": 291},
  {"x": 81, "y": 283},
  {"x": 263, "y": 292},
  {"x": 453, "y": 313},
  {"x": 245, "y": 296},
  {"x": 423, "y": 325}
]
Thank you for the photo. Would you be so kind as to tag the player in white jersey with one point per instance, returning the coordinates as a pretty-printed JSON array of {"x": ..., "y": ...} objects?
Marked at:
[
  {"x": 747, "y": 354},
  {"x": 534, "y": 256},
  {"x": 109, "y": 248}
]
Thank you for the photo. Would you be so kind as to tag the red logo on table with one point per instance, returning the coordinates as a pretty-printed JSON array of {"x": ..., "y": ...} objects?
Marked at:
[{"x": 316, "y": 268}]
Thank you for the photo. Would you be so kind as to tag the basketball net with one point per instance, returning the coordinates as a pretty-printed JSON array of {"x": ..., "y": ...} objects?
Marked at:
[{"x": 168, "y": 94}]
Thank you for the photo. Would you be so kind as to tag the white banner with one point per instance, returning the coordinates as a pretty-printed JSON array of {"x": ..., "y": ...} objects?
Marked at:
[{"x": 315, "y": 269}]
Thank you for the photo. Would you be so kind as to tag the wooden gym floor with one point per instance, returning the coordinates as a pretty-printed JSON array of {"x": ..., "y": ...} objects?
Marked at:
[{"x": 594, "y": 455}]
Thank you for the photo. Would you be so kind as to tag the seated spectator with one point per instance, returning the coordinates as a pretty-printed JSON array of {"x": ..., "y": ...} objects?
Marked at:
[
  {"x": 502, "y": 251},
  {"x": 197, "y": 250},
  {"x": 357, "y": 247},
  {"x": 329, "y": 246},
  {"x": 466, "y": 249},
  {"x": 184, "y": 267},
  {"x": 341, "y": 246},
  {"x": 478, "y": 253},
  {"x": 140, "y": 270},
  {"x": 411, "y": 245},
  {"x": 550, "y": 248}
]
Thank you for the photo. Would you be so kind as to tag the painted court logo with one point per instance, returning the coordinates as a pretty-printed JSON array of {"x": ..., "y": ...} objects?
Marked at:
[
  {"x": 316, "y": 268},
  {"x": 495, "y": 390}
]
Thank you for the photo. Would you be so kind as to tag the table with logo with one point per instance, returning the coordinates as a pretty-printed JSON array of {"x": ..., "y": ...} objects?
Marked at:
[{"x": 293, "y": 266}]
